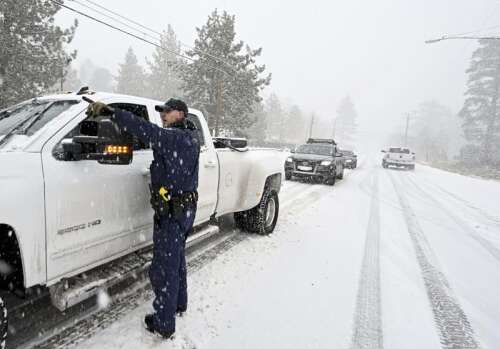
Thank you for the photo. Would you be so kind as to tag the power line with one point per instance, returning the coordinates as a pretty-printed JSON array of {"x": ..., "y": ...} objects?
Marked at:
[
  {"x": 152, "y": 31},
  {"x": 121, "y": 16},
  {"x": 132, "y": 34},
  {"x": 114, "y": 19}
]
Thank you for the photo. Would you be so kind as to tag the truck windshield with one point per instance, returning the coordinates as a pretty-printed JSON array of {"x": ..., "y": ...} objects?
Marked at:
[
  {"x": 28, "y": 117},
  {"x": 399, "y": 150},
  {"x": 315, "y": 149}
]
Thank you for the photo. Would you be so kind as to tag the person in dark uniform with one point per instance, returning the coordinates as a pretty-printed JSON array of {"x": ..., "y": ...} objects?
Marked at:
[{"x": 174, "y": 184}]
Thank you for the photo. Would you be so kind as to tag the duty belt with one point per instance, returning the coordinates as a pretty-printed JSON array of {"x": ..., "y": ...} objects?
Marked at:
[{"x": 163, "y": 203}]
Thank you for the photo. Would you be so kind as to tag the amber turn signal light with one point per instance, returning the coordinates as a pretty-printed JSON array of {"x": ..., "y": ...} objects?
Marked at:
[{"x": 117, "y": 149}]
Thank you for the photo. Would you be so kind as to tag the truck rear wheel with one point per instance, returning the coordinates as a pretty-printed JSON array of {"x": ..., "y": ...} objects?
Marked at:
[
  {"x": 262, "y": 218},
  {"x": 3, "y": 324}
]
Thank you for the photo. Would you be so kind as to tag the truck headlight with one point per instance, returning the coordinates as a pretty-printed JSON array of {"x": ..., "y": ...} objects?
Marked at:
[
  {"x": 289, "y": 160},
  {"x": 348, "y": 160},
  {"x": 326, "y": 163}
]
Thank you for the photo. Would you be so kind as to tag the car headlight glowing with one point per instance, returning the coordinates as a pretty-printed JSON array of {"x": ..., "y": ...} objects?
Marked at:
[
  {"x": 289, "y": 160},
  {"x": 326, "y": 163}
]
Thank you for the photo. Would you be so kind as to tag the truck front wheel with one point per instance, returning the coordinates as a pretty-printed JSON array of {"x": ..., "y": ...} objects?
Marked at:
[
  {"x": 262, "y": 218},
  {"x": 3, "y": 324},
  {"x": 341, "y": 174}
]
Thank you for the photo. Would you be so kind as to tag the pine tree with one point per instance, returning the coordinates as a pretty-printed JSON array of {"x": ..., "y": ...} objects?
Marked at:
[
  {"x": 275, "y": 115},
  {"x": 228, "y": 93},
  {"x": 437, "y": 132},
  {"x": 32, "y": 55},
  {"x": 345, "y": 123},
  {"x": 481, "y": 109},
  {"x": 101, "y": 80},
  {"x": 295, "y": 126},
  {"x": 131, "y": 78},
  {"x": 256, "y": 134},
  {"x": 87, "y": 69},
  {"x": 164, "y": 80},
  {"x": 71, "y": 81}
]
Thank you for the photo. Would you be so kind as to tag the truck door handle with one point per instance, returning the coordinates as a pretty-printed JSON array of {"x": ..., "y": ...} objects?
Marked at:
[
  {"x": 146, "y": 172},
  {"x": 210, "y": 163}
]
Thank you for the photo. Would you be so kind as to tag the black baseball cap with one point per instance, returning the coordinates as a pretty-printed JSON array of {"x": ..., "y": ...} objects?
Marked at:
[{"x": 172, "y": 104}]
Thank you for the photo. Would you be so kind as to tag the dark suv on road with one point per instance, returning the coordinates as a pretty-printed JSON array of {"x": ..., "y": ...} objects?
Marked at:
[
  {"x": 318, "y": 160},
  {"x": 351, "y": 159}
]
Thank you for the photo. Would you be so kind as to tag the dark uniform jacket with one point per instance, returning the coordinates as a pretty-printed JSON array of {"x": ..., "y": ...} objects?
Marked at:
[{"x": 176, "y": 151}]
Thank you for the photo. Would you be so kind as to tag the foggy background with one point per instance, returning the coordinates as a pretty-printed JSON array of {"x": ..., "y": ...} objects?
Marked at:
[{"x": 322, "y": 51}]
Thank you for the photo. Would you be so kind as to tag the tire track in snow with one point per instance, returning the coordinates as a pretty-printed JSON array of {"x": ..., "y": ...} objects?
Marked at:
[
  {"x": 77, "y": 330},
  {"x": 485, "y": 243},
  {"x": 81, "y": 330},
  {"x": 455, "y": 330},
  {"x": 490, "y": 218},
  {"x": 367, "y": 331}
]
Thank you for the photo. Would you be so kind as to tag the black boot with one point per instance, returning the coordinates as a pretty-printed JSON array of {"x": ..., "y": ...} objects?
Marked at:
[{"x": 148, "y": 321}]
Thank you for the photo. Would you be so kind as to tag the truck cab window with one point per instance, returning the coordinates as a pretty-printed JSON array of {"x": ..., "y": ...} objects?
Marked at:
[
  {"x": 194, "y": 119},
  {"x": 139, "y": 110}
]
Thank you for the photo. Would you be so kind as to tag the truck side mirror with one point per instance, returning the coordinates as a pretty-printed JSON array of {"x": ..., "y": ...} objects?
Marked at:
[
  {"x": 71, "y": 151},
  {"x": 105, "y": 142}
]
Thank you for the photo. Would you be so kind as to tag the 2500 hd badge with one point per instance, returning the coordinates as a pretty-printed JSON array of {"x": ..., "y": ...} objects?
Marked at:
[{"x": 79, "y": 227}]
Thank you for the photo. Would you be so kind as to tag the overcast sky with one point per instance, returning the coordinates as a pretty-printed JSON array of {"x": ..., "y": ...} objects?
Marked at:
[{"x": 320, "y": 51}]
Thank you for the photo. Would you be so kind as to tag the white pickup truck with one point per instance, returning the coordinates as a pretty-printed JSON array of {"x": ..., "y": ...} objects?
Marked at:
[
  {"x": 398, "y": 157},
  {"x": 65, "y": 208}
]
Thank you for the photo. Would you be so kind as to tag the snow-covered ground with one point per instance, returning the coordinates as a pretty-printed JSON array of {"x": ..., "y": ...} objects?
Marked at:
[{"x": 386, "y": 258}]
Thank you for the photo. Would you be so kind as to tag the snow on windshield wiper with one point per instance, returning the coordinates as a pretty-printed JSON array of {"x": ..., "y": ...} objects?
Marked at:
[
  {"x": 34, "y": 118},
  {"x": 14, "y": 131},
  {"x": 5, "y": 114}
]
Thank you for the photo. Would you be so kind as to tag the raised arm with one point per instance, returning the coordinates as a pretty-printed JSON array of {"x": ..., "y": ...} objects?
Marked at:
[{"x": 146, "y": 131}]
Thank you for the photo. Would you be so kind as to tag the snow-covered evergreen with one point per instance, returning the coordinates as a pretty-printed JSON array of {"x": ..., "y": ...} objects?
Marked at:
[
  {"x": 481, "y": 110},
  {"x": 228, "y": 93},
  {"x": 345, "y": 124},
  {"x": 131, "y": 79},
  {"x": 163, "y": 80},
  {"x": 32, "y": 55}
]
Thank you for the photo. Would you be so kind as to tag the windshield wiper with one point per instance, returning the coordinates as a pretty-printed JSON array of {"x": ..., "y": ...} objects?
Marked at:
[
  {"x": 13, "y": 132},
  {"x": 5, "y": 114},
  {"x": 34, "y": 118}
]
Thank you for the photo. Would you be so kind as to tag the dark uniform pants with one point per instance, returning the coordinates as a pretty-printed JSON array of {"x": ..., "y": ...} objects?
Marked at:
[{"x": 168, "y": 268}]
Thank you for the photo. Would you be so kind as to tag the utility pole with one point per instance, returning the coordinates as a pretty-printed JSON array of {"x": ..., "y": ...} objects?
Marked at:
[
  {"x": 218, "y": 108},
  {"x": 62, "y": 79}
]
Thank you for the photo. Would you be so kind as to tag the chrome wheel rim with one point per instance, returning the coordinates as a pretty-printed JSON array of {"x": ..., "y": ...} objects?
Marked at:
[{"x": 271, "y": 212}]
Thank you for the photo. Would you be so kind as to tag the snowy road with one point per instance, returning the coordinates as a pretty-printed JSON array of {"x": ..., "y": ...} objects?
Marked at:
[{"x": 385, "y": 259}]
